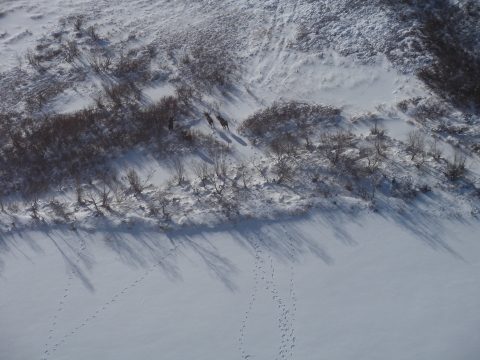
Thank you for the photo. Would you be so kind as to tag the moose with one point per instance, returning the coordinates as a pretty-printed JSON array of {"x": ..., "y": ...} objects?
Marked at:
[
  {"x": 223, "y": 122},
  {"x": 170, "y": 124},
  {"x": 209, "y": 119}
]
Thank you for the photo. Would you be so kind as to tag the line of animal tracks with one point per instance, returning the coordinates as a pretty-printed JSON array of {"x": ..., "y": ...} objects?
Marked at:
[
  {"x": 63, "y": 338},
  {"x": 265, "y": 281}
]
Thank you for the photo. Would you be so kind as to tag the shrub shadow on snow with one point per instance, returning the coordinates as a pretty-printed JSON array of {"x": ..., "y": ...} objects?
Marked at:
[
  {"x": 204, "y": 157},
  {"x": 219, "y": 266},
  {"x": 309, "y": 234},
  {"x": 76, "y": 257},
  {"x": 8, "y": 245},
  {"x": 280, "y": 241},
  {"x": 142, "y": 249},
  {"x": 428, "y": 229}
]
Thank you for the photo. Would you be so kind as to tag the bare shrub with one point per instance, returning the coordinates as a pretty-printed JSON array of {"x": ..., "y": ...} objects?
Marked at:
[
  {"x": 56, "y": 147},
  {"x": 377, "y": 129},
  {"x": 286, "y": 145},
  {"x": 135, "y": 182},
  {"x": 475, "y": 147},
  {"x": 420, "y": 160},
  {"x": 219, "y": 158},
  {"x": 380, "y": 144},
  {"x": 200, "y": 169},
  {"x": 40, "y": 95},
  {"x": 32, "y": 59},
  {"x": 372, "y": 159},
  {"x": 99, "y": 62},
  {"x": 284, "y": 170},
  {"x": 106, "y": 62},
  {"x": 79, "y": 191},
  {"x": 163, "y": 201},
  {"x": 305, "y": 131},
  {"x": 210, "y": 66},
  {"x": 242, "y": 171},
  {"x": 408, "y": 191},
  {"x": 133, "y": 68},
  {"x": 71, "y": 51},
  {"x": 364, "y": 116},
  {"x": 405, "y": 189},
  {"x": 119, "y": 193},
  {"x": 403, "y": 105},
  {"x": 186, "y": 94},
  {"x": 94, "y": 199},
  {"x": 447, "y": 33},
  {"x": 257, "y": 165},
  {"x": 456, "y": 165},
  {"x": 58, "y": 208},
  {"x": 434, "y": 149},
  {"x": 34, "y": 208},
  {"x": 94, "y": 62},
  {"x": 217, "y": 182},
  {"x": 78, "y": 23},
  {"x": 177, "y": 169},
  {"x": 122, "y": 93},
  {"x": 416, "y": 142},
  {"x": 334, "y": 145},
  {"x": 281, "y": 116},
  {"x": 92, "y": 32},
  {"x": 105, "y": 196},
  {"x": 429, "y": 110},
  {"x": 152, "y": 50}
]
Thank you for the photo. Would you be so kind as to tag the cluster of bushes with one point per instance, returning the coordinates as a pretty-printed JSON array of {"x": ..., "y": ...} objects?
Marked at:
[
  {"x": 283, "y": 117},
  {"x": 295, "y": 132},
  {"x": 449, "y": 31},
  {"x": 213, "y": 66},
  {"x": 36, "y": 154}
]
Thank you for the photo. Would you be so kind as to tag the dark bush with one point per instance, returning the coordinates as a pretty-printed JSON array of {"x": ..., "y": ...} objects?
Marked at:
[
  {"x": 71, "y": 51},
  {"x": 456, "y": 166},
  {"x": 209, "y": 66},
  {"x": 133, "y": 67},
  {"x": 38, "y": 154},
  {"x": 92, "y": 32},
  {"x": 449, "y": 33},
  {"x": 280, "y": 117}
]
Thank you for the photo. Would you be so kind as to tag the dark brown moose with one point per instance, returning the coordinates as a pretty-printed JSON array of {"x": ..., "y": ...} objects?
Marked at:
[{"x": 223, "y": 122}]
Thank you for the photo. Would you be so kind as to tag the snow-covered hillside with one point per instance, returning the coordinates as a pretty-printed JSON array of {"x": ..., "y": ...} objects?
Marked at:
[{"x": 336, "y": 216}]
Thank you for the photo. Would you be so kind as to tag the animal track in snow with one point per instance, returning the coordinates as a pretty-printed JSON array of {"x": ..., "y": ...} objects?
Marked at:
[
  {"x": 82, "y": 245},
  {"x": 256, "y": 270},
  {"x": 287, "y": 316},
  {"x": 265, "y": 270},
  {"x": 114, "y": 298},
  {"x": 293, "y": 295}
]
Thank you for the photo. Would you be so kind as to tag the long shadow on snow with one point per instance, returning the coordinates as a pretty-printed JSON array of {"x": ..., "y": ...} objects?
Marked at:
[{"x": 141, "y": 249}]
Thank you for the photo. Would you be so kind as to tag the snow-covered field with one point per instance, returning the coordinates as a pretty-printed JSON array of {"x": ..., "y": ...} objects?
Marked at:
[
  {"x": 337, "y": 261},
  {"x": 321, "y": 286}
]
